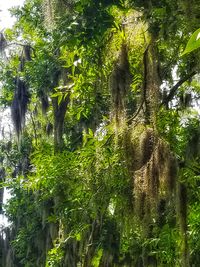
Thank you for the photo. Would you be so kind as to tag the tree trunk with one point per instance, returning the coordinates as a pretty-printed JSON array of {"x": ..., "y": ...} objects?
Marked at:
[{"x": 59, "y": 111}]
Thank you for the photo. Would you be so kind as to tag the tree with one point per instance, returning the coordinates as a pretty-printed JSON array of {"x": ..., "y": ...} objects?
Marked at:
[{"x": 105, "y": 167}]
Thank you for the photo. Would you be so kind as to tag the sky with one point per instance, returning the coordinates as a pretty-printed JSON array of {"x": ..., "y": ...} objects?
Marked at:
[{"x": 6, "y": 21}]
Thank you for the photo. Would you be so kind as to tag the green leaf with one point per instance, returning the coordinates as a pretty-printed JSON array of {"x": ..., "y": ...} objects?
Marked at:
[
  {"x": 193, "y": 43},
  {"x": 97, "y": 258}
]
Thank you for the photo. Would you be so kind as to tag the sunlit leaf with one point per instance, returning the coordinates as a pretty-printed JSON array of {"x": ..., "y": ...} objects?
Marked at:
[{"x": 193, "y": 43}]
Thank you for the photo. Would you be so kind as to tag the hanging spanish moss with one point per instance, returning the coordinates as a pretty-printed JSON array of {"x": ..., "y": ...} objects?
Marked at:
[
  {"x": 54, "y": 9},
  {"x": 120, "y": 81},
  {"x": 48, "y": 11},
  {"x": 59, "y": 110},
  {"x": 19, "y": 105},
  {"x": 3, "y": 43},
  {"x": 44, "y": 102},
  {"x": 2, "y": 179},
  {"x": 151, "y": 83},
  {"x": 21, "y": 95},
  {"x": 154, "y": 170},
  {"x": 156, "y": 178},
  {"x": 25, "y": 56}
]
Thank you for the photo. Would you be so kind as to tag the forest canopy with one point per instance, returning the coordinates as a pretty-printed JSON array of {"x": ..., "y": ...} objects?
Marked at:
[{"x": 103, "y": 165}]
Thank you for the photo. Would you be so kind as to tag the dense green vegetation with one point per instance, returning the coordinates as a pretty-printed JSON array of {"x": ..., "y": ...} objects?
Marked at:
[{"x": 103, "y": 168}]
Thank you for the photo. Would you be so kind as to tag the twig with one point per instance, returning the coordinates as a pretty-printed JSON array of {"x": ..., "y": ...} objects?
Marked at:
[{"x": 175, "y": 88}]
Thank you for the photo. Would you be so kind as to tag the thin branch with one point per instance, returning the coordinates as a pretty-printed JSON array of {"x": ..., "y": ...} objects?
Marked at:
[
  {"x": 22, "y": 45},
  {"x": 175, "y": 88},
  {"x": 137, "y": 112}
]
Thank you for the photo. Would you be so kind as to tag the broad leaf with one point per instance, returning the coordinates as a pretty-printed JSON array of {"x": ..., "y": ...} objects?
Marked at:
[{"x": 193, "y": 43}]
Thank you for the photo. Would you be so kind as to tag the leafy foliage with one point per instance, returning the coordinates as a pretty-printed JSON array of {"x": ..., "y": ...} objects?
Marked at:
[{"x": 105, "y": 171}]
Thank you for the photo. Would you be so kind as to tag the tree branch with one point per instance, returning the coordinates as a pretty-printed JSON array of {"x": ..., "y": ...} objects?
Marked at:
[{"x": 175, "y": 88}]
